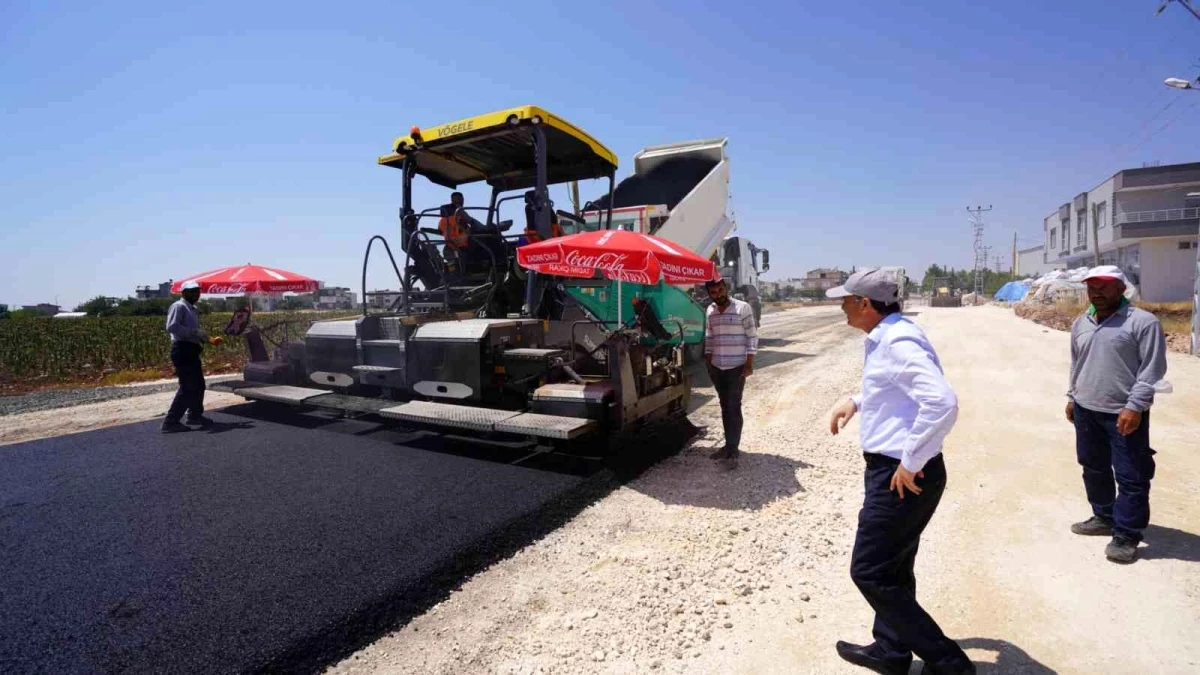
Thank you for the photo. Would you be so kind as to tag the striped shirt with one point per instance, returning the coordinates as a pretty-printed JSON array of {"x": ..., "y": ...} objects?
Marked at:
[{"x": 730, "y": 335}]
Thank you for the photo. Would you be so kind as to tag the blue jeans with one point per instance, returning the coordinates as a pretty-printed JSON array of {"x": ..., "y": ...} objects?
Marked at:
[{"x": 1103, "y": 452}]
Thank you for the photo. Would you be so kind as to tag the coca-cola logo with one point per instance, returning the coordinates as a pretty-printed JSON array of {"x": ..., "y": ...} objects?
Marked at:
[
  {"x": 609, "y": 262},
  {"x": 226, "y": 289}
]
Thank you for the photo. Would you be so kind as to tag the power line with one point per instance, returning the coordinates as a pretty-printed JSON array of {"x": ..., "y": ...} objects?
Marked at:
[{"x": 1164, "y": 127}]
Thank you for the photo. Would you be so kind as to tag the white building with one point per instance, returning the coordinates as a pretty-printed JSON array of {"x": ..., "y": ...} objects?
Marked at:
[
  {"x": 1144, "y": 220},
  {"x": 1031, "y": 262}
]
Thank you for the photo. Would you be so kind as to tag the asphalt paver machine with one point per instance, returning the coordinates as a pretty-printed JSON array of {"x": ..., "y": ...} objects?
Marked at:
[{"x": 474, "y": 342}]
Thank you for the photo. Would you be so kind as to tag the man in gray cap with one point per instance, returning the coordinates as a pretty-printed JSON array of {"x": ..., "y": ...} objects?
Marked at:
[
  {"x": 187, "y": 340},
  {"x": 1118, "y": 353},
  {"x": 907, "y": 409}
]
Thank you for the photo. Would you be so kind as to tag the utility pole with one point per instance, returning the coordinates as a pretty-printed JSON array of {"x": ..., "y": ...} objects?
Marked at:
[
  {"x": 976, "y": 217},
  {"x": 575, "y": 197},
  {"x": 1014, "y": 266}
]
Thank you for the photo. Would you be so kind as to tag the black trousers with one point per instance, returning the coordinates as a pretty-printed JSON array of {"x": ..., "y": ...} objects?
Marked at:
[
  {"x": 729, "y": 385},
  {"x": 885, "y": 550},
  {"x": 185, "y": 356}
]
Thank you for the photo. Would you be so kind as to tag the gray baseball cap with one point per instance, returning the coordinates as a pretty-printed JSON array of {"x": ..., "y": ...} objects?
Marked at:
[{"x": 875, "y": 284}]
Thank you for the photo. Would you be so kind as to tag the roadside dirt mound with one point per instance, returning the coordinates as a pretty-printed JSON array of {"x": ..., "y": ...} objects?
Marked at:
[{"x": 1058, "y": 317}]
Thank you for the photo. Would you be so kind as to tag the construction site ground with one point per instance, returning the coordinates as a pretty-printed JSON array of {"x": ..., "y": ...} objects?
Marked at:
[
  {"x": 689, "y": 569},
  {"x": 683, "y": 569}
]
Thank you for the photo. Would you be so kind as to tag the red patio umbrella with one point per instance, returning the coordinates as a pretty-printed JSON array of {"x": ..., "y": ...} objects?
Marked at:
[
  {"x": 620, "y": 255},
  {"x": 248, "y": 279}
]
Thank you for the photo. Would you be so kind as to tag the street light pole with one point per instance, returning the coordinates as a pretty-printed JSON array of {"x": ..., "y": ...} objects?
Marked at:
[{"x": 1179, "y": 83}]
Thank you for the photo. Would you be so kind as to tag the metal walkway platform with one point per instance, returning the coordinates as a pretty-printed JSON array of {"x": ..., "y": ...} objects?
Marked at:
[{"x": 421, "y": 412}]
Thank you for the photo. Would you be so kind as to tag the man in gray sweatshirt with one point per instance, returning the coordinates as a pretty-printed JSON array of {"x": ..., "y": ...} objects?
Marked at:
[{"x": 1118, "y": 353}]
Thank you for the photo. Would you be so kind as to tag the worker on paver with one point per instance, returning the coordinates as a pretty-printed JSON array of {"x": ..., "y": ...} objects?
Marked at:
[
  {"x": 907, "y": 409},
  {"x": 454, "y": 223},
  {"x": 730, "y": 341},
  {"x": 1118, "y": 354},
  {"x": 187, "y": 338}
]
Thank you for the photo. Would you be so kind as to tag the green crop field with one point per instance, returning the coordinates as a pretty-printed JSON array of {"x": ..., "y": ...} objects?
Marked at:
[{"x": 41, "y": 348}]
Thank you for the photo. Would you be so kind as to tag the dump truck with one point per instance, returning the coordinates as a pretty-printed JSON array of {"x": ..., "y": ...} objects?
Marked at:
[
  {"x": 678, "y": 191},
  {"x": 475, "y": 343}
]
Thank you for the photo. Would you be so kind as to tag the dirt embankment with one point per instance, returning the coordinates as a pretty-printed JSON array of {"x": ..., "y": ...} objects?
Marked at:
[{"x": 1175, "y": 318}]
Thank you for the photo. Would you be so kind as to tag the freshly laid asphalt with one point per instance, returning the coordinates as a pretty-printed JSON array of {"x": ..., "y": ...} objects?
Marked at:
[{"x": 262, "y": 544}]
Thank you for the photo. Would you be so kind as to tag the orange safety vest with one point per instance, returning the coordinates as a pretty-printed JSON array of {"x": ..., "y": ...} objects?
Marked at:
[
  {"x": 453, "y": 232},
  {"x": 531, "y": 234}
]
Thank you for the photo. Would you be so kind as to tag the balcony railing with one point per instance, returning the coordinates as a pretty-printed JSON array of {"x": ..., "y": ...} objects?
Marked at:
[{"x": 1191, "y": 213}]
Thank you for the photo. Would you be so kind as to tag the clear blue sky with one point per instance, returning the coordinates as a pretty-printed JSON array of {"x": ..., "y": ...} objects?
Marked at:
[{"x": 147, "y": 141}]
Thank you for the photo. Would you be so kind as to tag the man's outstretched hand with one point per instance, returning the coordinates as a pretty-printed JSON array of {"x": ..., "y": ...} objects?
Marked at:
[{"x": 841, "y": 415}]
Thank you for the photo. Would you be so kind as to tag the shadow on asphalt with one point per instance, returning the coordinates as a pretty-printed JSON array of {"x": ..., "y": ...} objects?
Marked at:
[
  {"x": 1168, "y": 543},
  {"x": 1009, "y": 658}
]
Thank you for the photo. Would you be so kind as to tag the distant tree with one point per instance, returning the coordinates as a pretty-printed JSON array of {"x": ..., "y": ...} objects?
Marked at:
[
  {"x": 97, "y": 306},
  {"x": 147, "y": 307},
  {"x": 3, "y": 311},
  {"x": 291, "y": 302},
  {"x": 24, "y": 314}
]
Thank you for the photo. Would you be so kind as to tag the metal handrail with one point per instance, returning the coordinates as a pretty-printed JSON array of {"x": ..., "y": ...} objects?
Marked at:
[{"x": 1189, "y": 213}]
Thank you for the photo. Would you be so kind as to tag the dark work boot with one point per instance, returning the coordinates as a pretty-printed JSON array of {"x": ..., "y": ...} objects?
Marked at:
[
  {"x": 201, "y": 421},
  {"x": 868, "y": 657},
  {"x": 1121, "y": 549},
  {"x": 1094, "y": 527},
  {"x": 172, "y": 427}
]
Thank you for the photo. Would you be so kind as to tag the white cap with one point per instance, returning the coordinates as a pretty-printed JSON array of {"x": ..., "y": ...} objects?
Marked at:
[
  {"x": 1107, "y": 272},
  {"x": 189, "y": 285}
]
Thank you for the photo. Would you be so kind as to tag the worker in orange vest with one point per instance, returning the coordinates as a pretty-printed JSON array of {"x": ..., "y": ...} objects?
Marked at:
[{"x": 454, "y": 224}]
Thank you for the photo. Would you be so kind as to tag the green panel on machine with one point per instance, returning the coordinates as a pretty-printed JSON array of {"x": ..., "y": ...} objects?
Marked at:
[{"x": 670, "y": 303}]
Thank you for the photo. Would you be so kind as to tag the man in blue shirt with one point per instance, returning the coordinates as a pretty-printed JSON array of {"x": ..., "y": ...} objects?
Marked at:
[
  {"x": 907, "y": 410},
  {"x": 187, "y": 338}
]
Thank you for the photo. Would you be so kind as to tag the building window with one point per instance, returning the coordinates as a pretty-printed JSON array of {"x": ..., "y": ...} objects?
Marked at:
[
  {"x": 1102, "y": 214},
  {"x": 1053, "y": 238},
  {"x": 1185, "y": 245},
  {"x": 1066, "y": 242},
  {"x": 1081, "y": 228}
]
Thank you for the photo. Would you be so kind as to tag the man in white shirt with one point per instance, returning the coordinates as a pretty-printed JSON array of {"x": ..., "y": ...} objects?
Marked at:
[
  {"x": 187, "y": 338},
  {"x": 907, "y": 409}
]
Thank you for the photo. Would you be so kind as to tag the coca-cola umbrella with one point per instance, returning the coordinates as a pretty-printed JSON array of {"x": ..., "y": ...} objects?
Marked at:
[
  {"x": 248, "y": 278},
  {"x": 619, "y": 255}
]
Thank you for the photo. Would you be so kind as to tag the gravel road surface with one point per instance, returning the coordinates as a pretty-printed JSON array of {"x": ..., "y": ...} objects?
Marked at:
[{"x": 689, "y": 569}]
